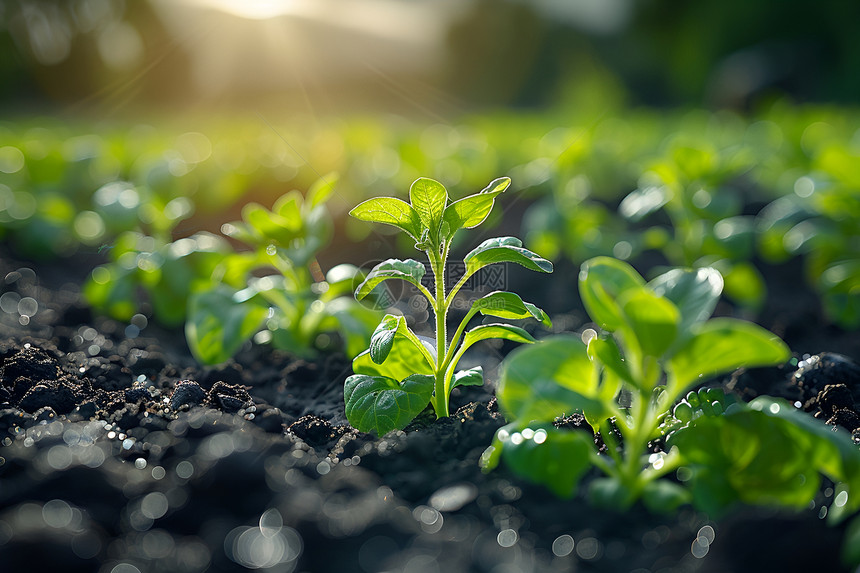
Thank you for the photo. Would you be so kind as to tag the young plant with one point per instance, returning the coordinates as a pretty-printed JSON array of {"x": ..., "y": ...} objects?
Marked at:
[
  {"x": 291, "y": 305},
  {"x": 148, "y": 272},
  {"x": 697, "y": 185},
  {"x": 656, "y": 343},
  {"x": 822, "y": 225},
  {"x": 401, "y": 372}
]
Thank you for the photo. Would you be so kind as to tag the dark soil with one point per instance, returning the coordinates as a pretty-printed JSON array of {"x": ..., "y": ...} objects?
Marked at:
[{"x": 121, "y": 455}]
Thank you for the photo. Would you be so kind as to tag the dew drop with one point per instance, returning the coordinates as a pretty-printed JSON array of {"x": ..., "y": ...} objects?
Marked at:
[
  {"x": 507, "y": 537},
  {"x": 562, "y": 546}
]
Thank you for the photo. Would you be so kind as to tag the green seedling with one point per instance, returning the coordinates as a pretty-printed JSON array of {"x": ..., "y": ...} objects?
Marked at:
[
  {"x": 695, "y": 184},
  {"x": 274, "y": 292},
  {"x": 822, "y": 225},
  {"x": 655, "y": 343},
  {"x": 401, "y": 373},
  {"x": 147, "y": 276},
  {"x": 148, "y": 272}
]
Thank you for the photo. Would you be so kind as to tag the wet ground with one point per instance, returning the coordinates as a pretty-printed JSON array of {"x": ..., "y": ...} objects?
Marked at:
[{"x": 119, "y": 454}]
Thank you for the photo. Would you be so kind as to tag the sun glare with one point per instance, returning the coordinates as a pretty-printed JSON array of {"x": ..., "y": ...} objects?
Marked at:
[{"x": 251, "y": 9}]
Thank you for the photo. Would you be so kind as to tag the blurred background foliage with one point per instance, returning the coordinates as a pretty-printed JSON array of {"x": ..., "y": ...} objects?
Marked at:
[
  {"x": 719, "y": 133},
  {"x": 443, "y": 55}
]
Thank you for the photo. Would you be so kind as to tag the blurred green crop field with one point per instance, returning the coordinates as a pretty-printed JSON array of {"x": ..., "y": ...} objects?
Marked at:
[{"x": 698, "y": 187}]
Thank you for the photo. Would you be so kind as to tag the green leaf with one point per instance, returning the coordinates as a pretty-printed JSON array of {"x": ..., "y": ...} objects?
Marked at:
[
  {"x": 169, "y": 303},
  {"x": 504, "y": 250},
  {"x": 274, "y": 289},
  {"x": 112, "y": 288},
  {"x": 545, "y": 455},
  {"x": 539, "y": 314},
  {"x": 218, "y": 326},
  {"x": 745, "y": 285},
  {"x": 390, "y": 329},
  {"x": 722, "y": 345},
  {"x": 235, "y": 268},
  {"x": 606, "y": 352},
  {"x": 602, "y": 281},
  {"x": 409, "y": 270},
  {"x": 496, "y": 185},
  {"x": 471, "y": 377},
  {"x": 610, "y": 493},
  {"x": 268, "y": 226},
  {"x": 757, "y": 457},
  {"x": 508, "y": 305},
  {"x": 289, "y": 207},
  {"x": 694, "y": 292},
  {"x": 405, "y": 358},
  {"x": 429, "y": 199},
  {"x": 664, "y": 496},
  {"x": 381, "y": 404},
  {"x": 471, "y": 211},
  {"x": 390, "y": 211},
  {"x": 488, "y": 331},
  {"x": 320, "y": 191},
  {"x": 546, "y": 380},
  {"x": 834, "y": 453},
  {"x": 382, "y": 339},
  {"x": 652, "y": 319}
]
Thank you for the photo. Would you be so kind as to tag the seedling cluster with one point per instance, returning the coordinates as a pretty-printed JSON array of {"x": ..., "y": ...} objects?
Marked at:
[
  {"x": 275, "y": 291},
  {"x": 632, "y": 384}
]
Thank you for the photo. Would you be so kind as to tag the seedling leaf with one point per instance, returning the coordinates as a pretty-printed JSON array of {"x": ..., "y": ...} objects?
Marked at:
[
  {"x": 382, "y": 339},
  {"x": 545, "y": 455},
  {"x": 289, "y": 207},
  {"x": 694, "y": 292},
  {"x": 263, "y": 224},
  {"x": 429, "y": 199},
  {"x": 662, "y": 496},
  {"x": 602, "y": 280},
  {"x": 217, "y": 326},
  {"x": 548, "y": 380},
  {"x": 409, "y": 270},
  {"x": 722, "y": 345},
  {"x": 504, "y": 250},
  {"x": 503, "y": 304},
  {"x": 504, "y": 331},
  {"x": 605, "y": 351},
  {"x": 390, "y": 329},
  {"x": 653, "y": 320},
  {"x": 407, "y": 358},
  {"x": 320, "y": 191},
  {"x": 381, "y": 404},
  {"x": 471, "y": 377},
  {"x": 390, "y": 211},
  {"x": 754, "y": 457},
  {"x": 471, "y": 211}
]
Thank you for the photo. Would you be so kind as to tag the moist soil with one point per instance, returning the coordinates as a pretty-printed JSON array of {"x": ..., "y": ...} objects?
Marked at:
[{"x": 120, "y": 454}]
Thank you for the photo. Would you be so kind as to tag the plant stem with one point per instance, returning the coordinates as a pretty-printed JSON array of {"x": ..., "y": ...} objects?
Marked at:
[
  {"x": 635, "y": 443},
  {"x": 440, "y": 308}
]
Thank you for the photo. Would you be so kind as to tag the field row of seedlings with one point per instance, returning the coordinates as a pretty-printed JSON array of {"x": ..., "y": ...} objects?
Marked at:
[
  {"x": 700, "y": 188},
  {"x": 244, "y": 345}
]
